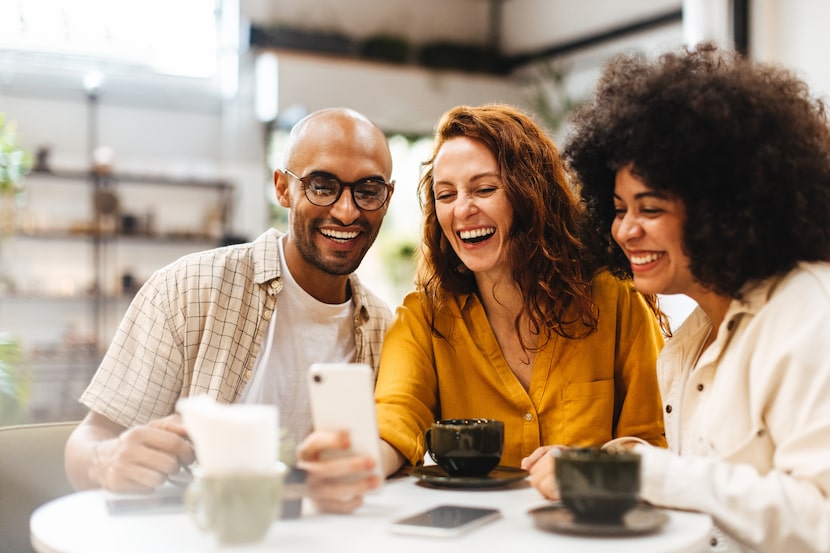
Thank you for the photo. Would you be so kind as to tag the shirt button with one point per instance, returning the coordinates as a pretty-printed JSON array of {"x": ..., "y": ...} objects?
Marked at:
[
  {"x": 713, "y": 542},
  {"x": 528, "y": 417},
  {"x": 248, "y": 374},
  {"x": 275, "y": 287},
  {"x": 267, "y": 315},
  {"x": 700, "y": 387},
  {"x": 668, "y": 408}
]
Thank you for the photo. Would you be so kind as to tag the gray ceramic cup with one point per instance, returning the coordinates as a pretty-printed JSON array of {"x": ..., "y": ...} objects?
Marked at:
[
  {"x": 465, "y": 447},
  {"x": 236, "y": 508},
  {"x": 596, "y": 484}
]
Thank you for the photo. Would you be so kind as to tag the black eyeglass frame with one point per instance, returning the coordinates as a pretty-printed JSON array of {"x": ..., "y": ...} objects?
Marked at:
[{"x": 388, "y": 187}]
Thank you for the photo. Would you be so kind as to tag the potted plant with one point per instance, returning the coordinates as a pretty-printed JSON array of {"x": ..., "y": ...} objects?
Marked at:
[
  {"x": 400, "y": 259},
  {"x": 548, "y": 94},
  {"x": 387, "y": 48},
  {"x": 280, "y": 36},
  {"x": 14, "y": 382},
  {"x": 462, "y": 57},
  {"x": 15, "y": 162}
]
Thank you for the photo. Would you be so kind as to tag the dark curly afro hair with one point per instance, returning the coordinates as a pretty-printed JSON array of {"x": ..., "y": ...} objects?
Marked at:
[{"x": 744, "y": 146}]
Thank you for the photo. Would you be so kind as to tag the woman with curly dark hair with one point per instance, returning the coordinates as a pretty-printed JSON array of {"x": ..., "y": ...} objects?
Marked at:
[
  {"x": 712, "y": 175},
  {"x": 510, "y": 320}
]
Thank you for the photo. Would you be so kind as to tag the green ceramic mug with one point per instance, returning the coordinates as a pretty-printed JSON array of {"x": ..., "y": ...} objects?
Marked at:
[{"x": 237, "y": 508}]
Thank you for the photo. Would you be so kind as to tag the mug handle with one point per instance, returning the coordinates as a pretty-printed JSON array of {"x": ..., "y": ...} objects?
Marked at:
[
  {"x": 427, "y": 442},
  {"x": 191, "y": 502}
]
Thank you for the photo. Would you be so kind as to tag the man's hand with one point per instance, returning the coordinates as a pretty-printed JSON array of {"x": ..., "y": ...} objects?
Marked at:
[
  {"x": 335, "y": 485},
  {"x": 101, "y": 453}
]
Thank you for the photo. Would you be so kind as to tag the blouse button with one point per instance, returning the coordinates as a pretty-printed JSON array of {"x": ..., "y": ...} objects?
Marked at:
[
  {"x": 668, "y": 408},
  {"x": 700, "y": 387},
  {"x": 528, "y": 417}
]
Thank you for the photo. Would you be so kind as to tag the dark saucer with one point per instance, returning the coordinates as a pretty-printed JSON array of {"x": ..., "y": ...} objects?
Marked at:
[
  {"x": 558, "y": 518},
  {"x": 498, "y": 477}
]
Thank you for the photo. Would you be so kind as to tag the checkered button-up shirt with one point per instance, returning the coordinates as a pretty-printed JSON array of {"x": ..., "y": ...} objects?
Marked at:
[{"x": 196, "y": 327}]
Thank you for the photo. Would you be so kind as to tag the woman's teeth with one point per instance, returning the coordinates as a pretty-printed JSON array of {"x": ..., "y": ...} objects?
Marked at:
[
  {"x": 476, "y": 235},
  {"x": 642, "y": 259}
]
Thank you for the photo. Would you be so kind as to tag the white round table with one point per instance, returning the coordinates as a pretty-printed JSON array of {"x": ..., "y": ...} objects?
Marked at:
[{"x": 80, "y": 523}]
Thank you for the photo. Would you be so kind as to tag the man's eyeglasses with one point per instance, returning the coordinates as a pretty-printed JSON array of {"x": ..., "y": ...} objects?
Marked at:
[{"x": 323, "y": 189}]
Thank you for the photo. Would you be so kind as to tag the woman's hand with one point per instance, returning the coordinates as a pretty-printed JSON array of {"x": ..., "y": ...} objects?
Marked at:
[{"x": 541, "y": 466}]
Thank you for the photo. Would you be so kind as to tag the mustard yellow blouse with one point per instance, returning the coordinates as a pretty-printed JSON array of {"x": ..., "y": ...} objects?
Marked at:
[{"x": 582, "y": 392}]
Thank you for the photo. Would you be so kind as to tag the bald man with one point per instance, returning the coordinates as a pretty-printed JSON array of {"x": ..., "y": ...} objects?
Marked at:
[{"x": 243, "y": 323}]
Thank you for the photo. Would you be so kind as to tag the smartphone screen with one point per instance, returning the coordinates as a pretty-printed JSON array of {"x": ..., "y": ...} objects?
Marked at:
[{"x": 445, "y": 520}]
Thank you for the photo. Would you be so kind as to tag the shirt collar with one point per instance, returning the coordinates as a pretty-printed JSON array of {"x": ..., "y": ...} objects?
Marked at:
[
  {"x": 754, "y": 295},
  {"x": 266, "y": 256}
]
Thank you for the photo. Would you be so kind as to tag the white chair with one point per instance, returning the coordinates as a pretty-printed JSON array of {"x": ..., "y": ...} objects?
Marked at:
[{"x": 31, "y": 473}]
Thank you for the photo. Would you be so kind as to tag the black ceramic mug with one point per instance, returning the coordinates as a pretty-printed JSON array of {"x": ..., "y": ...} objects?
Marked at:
[
  {"x": 597, "y": 484},
  {"x": 465, "y": 447}
]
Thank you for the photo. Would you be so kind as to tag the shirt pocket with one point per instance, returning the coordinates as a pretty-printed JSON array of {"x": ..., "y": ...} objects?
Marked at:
[
  {"x": 588, "y": 413},
  {"x": 755, "y": 448}
]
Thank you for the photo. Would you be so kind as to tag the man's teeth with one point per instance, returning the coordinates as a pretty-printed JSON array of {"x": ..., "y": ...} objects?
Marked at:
[
  {"x": 339, "y": 234},
  {"x": 476, "y": 233},
  {"x": 645, "y": 258}
]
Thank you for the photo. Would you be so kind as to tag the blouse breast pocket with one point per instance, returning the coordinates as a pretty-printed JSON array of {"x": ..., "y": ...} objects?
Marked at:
[{"x": 588, "y": 412}]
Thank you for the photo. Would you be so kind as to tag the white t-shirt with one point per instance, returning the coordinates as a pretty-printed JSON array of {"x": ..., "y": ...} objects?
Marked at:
[{"x": 302, "y": 331}]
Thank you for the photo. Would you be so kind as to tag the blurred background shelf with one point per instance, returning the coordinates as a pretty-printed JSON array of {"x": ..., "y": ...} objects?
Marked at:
[{"x": 82, "y": 244}]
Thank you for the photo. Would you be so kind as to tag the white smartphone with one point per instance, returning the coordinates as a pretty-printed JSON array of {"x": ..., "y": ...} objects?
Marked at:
[
  {"x": 445, "y": 520},
  {"x": 342, "y": 398}
]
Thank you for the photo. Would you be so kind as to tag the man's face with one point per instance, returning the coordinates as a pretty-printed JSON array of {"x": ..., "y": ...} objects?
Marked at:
[{"x": 333, "y": 239}]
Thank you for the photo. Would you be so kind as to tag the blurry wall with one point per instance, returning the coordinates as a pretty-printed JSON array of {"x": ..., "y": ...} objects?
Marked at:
[
  {"x": 794, "y": 34},
  {"x": 404, "y": 99},
  {"x": 421, "y": 21},
  {"x": 530, "y": 25}
]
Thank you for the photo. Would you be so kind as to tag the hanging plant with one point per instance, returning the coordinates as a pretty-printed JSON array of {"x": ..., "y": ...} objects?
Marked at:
[{"x": 15, "y": 162}]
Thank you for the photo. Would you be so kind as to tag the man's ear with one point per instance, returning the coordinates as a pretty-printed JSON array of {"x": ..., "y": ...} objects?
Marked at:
[
  {"x": 388, "y": 200},
  {"x": 281, "y": 188}
]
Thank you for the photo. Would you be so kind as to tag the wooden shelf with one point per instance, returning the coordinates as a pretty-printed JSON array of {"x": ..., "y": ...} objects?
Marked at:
[
  {"x": 129, "y": 178},
  {"x": 69, "y": 235}
]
